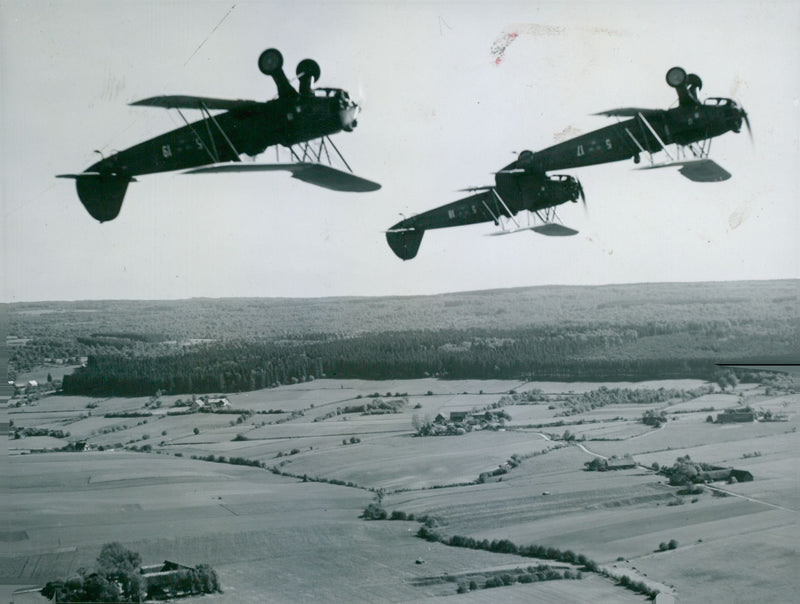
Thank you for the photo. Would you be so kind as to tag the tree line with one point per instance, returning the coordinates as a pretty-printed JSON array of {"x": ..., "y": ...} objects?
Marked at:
[{"x": 532, "y": 353}]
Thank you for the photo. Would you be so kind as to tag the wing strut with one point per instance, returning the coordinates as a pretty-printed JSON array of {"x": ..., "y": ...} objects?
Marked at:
[
  {"x": 654, "y": 133},
  {"x": 510, "y": 214},
  {"x": 213, "y": 153},
  {"x": 633, "y": 138},
  {"x": 488, "y": 209}
]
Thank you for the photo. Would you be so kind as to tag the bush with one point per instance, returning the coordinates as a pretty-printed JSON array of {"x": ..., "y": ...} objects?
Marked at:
[
  {"x": 672, "y": 544},
  {"x": 374, "y": 511}
]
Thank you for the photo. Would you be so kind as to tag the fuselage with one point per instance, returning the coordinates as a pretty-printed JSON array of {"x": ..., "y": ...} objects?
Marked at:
[
  {"x": 247, "y": 130},
  {"x": 513, "y": 192},
  {"x": 628, "y": 138}
]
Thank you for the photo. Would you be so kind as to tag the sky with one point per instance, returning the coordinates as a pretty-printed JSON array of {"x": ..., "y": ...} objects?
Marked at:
[{"x": 442, "y": 110}]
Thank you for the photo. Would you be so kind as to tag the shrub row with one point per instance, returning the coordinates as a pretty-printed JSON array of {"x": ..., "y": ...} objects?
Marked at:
[{"x": 504, "y": 546}]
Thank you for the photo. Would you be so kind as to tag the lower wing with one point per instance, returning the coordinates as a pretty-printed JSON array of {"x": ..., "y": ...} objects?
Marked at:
[{"x": 312, "y": 173}]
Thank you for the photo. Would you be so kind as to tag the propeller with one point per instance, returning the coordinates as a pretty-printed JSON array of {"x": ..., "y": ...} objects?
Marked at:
[
  {"x": 582, "y": 195},
  {"x": 747, "y": 123}
]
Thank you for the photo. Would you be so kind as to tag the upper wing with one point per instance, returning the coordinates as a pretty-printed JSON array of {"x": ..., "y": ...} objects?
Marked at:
[
  {"x": 315, "y": 174},
  {"x": 194, "y": 102},
  {"x": 629, "y": 112}
]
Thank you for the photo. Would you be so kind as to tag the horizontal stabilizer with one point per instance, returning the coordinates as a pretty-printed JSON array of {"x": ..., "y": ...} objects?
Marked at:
[
  {"x": 630, "y": 112},
  {"x": 312, "y": 173},
  {"x": 697, "y": 170},
  {"x": 551, "y": 229},
  {"x": 179, "y": 101},
  {"x": 404, "y": 242}
]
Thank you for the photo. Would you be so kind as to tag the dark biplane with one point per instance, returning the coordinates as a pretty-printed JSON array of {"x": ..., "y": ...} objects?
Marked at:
[
  {"x": 524, "y": 184},
  {"x": 305, "y": 118}
]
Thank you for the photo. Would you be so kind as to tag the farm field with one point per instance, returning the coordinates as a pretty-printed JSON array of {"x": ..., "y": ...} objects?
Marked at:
[{"x": 288, "y": 530}]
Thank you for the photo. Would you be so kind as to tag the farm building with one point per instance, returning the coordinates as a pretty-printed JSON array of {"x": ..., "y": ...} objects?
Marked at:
[
  {"x": 168, "y": 580},
  {"x": 621, "y": 463},
  {"x": 734, "y": 416},
  {"x": 741, "y": 475},
  {"x": 210, "y": 404},
  {"x": 218, "y": 403},
  {"x": 458, "y": 416},
  {"x": 718, "y": 474}
]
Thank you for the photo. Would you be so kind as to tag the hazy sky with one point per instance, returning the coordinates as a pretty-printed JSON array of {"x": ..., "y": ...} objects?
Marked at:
[{"x": 439, "y": 115}]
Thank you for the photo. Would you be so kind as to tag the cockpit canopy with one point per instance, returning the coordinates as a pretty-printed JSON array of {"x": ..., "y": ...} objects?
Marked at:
[
  {"x": 716, "y": 101},
  {"x": 331, "y": 93}
]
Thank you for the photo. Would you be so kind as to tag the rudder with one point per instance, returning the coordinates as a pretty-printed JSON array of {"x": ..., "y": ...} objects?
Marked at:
[
  {"x": 405, "y": 242},
  {"x": 100, "y": 194}
]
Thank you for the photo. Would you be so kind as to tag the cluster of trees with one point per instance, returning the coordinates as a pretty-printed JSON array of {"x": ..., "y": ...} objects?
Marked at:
[
  {"x": 504, "y": 546},
  {"x": 54, "y": 432},
  {"x": 654, "y": 418},
  {"x": 226, "y": 367},
  {"x": 441, "y": 426},
  {"x": 118, "y": 578},
  {"x": 532, "y": 574},
  {"x": 685, "y": 471},
  {"x": 726, "y": 379},
  {"x": 238, "y": 345},
  {"x": 376, "y": 406},
  {"x": 597, "y": 464},
  {"x": 581, "y": 403}
]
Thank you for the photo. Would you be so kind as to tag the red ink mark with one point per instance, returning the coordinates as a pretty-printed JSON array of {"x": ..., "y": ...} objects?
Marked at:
[{"x": 500, "y": 45}]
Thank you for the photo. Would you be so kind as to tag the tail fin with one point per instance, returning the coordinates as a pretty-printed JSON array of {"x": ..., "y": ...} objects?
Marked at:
[
  {"x": 100, "y": 194},
  {"x": 405, "y": 242}
]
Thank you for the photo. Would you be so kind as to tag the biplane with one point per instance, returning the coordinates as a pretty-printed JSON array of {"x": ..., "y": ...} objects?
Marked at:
[
  {"x": 301, "y": 120},
  {"x": 683, "y": 133},
  {"x": 687, "y": 128}
]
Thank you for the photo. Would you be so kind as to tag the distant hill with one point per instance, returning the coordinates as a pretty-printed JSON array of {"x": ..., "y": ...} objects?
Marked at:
[{"x": 597, "y": 331}]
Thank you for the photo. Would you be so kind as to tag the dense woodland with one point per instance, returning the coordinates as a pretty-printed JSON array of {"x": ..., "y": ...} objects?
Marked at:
[{"x": 544, "y": 333}]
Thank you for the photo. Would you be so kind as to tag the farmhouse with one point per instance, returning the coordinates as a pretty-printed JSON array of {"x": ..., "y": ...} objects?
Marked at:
[
  {"x": 741, "y": 475},
  {"x": 621, "y": 463},
  {"x": 718, "y": 474},
  {"x": 167, "y": 580},
  {"x": 218, "y": 403},
  {"x": 207, "y": 403},
  {"x": 739, "y": 416},
  {"x": 458, "y": 416}
]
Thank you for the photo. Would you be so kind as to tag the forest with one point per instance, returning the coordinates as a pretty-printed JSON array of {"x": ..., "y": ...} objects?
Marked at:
[{"x": 621, "y": 332}]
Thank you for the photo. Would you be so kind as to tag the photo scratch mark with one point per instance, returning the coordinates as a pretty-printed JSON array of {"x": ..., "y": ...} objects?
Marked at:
[
  {"x": 210, "y": 34},
  {"x": 605, "y": 31},
  {"x": 736, "y": 219},
  {"x": 737, "y": 82},
  {"x": 566, "y": 134},
  {"x": 442, "y": 25},
  {"x": 500, "y": 44},
  {"x": 516, "y": 30},
  {"x": 113, "y": 85}
]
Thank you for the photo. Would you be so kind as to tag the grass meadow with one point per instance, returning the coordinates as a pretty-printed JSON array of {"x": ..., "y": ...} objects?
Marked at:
[{"x": 297, "y": 537}]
